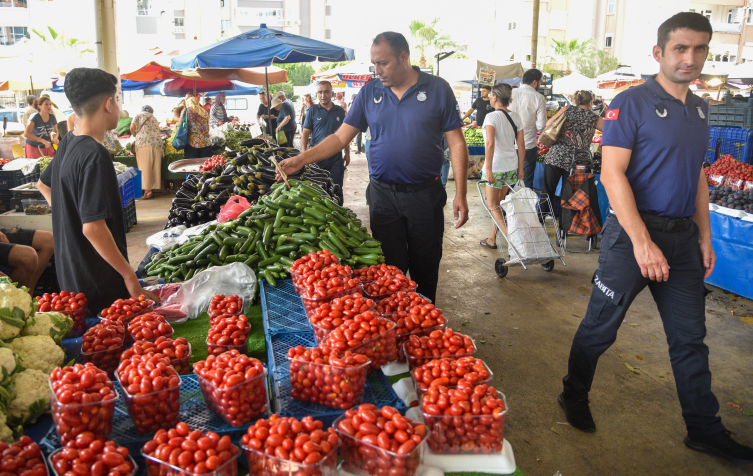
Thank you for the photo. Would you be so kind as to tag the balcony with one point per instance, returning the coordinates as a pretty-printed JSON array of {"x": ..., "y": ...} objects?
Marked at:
[{"x": 723, "y": 27}]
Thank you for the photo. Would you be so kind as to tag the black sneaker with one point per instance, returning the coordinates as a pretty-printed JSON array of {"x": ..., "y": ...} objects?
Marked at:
[
  {"x": 578, "y": 413},
  {"x": 721, "y": 445}
]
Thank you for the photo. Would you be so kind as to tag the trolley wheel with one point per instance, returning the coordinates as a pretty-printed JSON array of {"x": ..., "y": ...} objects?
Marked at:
[
  {"x": 500, "y": 268},
  {"x": 548, "y": 266}
]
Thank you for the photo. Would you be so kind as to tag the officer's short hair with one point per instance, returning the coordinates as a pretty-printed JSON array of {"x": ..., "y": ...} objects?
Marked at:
[
  {"x": 532, "y": 75},
  {"x": 397, "y": 42},
  {"x": 690, "y": 20},
  {"x": 486, "y": 86}
]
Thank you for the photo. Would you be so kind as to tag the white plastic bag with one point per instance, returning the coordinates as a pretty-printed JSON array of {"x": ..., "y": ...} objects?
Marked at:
[
  {"x": 194, "y": 296},
  {"x": 527, "y": 237},
  {"x": 166, "y": 239}
]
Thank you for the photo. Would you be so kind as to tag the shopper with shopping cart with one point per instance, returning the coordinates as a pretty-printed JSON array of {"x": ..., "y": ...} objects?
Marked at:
[{"x": 659, "y": 236}]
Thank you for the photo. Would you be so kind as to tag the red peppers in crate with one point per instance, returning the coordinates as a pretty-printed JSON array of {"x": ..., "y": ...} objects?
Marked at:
[
  {"x": 180, "y": 451},
  {"x": 233, "y": 386}
]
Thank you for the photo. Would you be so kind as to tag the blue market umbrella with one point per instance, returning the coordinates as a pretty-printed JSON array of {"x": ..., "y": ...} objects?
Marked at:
[
  {"x": 180, "y": 87},
  {"x": 125, "y": 85}
]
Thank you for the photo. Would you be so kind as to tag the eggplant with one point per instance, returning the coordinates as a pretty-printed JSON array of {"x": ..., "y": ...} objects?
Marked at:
[
  {"x": 263, "y": 169},
  {"x": 215, "y": 207},
  {"x": 229, "y": 170},
  {"x": 212, "y": 215},
  {"x": 224, "y": 179},
  {"x": 247, "y": 169},
  {"x": 262, "y": 158},
  {"x": 190, "y": 187},
  {"x": 223, "y": 194},
  {"x": 252, "y": 142},
  {"x": 191, "y": 216},
  {"x": 183, "y": 201},
  {"x": 185, "y": 194},
  {"x": 220, "y": 187},
  {"x": 205, "y": 205},
  {"x": 241, "y": 159},
  {"x": 231, "y": 153},
  {"x": 202, "y": 215},
  {"x": 266, "y": 177},
  {"x": 205, "y": 188}
]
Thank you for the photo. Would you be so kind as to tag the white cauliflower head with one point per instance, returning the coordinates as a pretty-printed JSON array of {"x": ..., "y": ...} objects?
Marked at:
[
  {"x": 7, "y": 362},
  {"x": 32, "y": 396},
  {"x": 54, "y": 324},
  {"x": 16, "y": 306},
  {"x": 6, "y": 434},
  {"x": 38, "y": 352}
]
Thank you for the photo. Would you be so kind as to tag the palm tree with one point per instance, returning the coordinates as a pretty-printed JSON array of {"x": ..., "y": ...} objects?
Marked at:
[
  {"x": 572, "y": 51},
  {"x": 61, "y": 41},
  {"x": 428, "y": 37}
]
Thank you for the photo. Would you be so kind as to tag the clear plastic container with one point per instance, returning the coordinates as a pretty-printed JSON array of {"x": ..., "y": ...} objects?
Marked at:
[
  {"x": 182, "y": 365},
  {"x": 261, "y": 464},
  {"x": 79, "y": 321},
  {"x": 320, "y": 333},
  {"x": 402, "y": 339},
  {"x": 55, "y": 471},
  {"x": 225, "y": 402},
  {"x": 153, "y": 411},
  {"x": 414, "y": 362},
  {"x": 391, "y": 315},
  {"x": 217, "y": 349},
  {"x": 36, "y": 207},
  {"x": 422, "y": 388},
  {"x": 71, "y": 419},
  {"x": 381, "y": 349},
  {"x": 479, "y": 434},
  {"x": 313, "y": 303},
  {"x": 219, "y": 316},
  {"x": 107, "y": 360},
  {"x": 309, "y": 383},
  {"x": 364, "y": 459},
  {"x": 379, "y": 297},
  {"x": 125, "y": 321},
  {"x": 156, "y": 467},
  {"x": 130, "y": 339}
]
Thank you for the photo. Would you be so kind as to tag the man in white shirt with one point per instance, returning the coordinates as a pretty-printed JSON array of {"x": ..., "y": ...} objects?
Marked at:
[{"x": 531, "y": 107}]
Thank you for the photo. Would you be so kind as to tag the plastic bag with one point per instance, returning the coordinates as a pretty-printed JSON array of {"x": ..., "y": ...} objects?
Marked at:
[
  {"x": 166, "y": 239},
  {"x": 527, "y": 237},
  {"x": 171, "y": 312},
  {"x": 715, "y": 180},
  {"x": 181, "y": 135},
  {"x": 234, "y": 207},
  {"x": 282, "y": 139},
  {"x": 194, "y": 295},
  {"x": 735, "y": 183}
]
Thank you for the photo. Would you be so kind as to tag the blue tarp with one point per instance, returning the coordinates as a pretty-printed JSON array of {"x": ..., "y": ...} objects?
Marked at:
[
  {"x": 125, "y": 84},
  {"x": 261, "y": 47},
  {"x": 163, "y": 88},
  {"x": 733, "y": 244}
]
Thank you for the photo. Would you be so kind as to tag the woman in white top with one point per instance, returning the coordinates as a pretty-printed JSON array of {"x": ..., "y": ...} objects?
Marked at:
[{"x": 503, "y": 162}]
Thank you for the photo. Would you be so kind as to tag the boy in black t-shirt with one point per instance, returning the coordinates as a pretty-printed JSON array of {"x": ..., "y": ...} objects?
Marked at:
[
  {"x": 482, "y": 106},
  {"x": 81, "y": 186}
]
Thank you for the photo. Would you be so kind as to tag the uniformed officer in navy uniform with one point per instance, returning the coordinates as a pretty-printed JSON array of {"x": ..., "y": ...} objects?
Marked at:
[
  {"x": 407, "y": 112},
  {"x": 323, "y": 120},
  {"x": 654, "y": 142}
]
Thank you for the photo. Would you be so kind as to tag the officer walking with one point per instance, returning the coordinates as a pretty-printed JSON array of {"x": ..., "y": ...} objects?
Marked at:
[
  {"x": 655, "y": 138},
  {"x": 323, "y": 120},
  {"x": 407, "y": 112}
]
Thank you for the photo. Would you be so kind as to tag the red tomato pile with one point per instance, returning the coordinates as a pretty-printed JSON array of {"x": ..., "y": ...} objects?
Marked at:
[
  {"x": 227, "y": 333},
  {"x": 178, "y": 351},
  {"x": 420, "y": 321},
  {"x": 377, "y": 271},
  {"x": 313, "y": 261},
  {"x": 467, "y": 419},
  {"x": 727, "y": 166},
  {"x": 387, "y": 285},
  {"x": 84, "y": 401},
  {"x": 324, "y": 376},
  {"x": 212, "y": 162},
  {"x": 148, "y": 327},
  {"x": 330, "y": 315},
  {"x": 326, "y": 283},
  {"x": 23, "y": 458},
  {"x": 192, "y": 451},
  {"x": 152, "y": 388},
  {"x": 72, "y": 304},
  {"x": 366, "y": 334},
  {"x": 447, "y": 343},
  {"x": 447, "y": 372},
  {"x": 225, "y": 306},
  {"x": 89, "y": 455},
  {"x": 233, "y": 386},
  {"x": 123, "y": 310},
  {"x": 400, "y": 302},
  {"x": 102, "y": 345},
  {"x": 379, "y": 441},
  {"x": 4, "y": 161},
  {"x": 271, "y": 445}
]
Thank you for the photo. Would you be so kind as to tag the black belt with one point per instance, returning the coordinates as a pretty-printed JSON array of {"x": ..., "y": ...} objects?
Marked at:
[
  {"x": 415, "y": 187},
  {"x": 667, "y": 225}
]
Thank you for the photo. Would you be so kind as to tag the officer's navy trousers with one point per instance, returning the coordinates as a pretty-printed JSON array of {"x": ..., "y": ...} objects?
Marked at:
[
  {"x": 336, "y": 168},
  {"x": 680, "y": 300},
  {"x": 410, "y": 226}
]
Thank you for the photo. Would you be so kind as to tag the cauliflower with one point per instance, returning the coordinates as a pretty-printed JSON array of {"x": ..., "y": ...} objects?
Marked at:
[
  {"x": 6, "y": 434},
  {"x": 32, "y": 395},
  {"x": 54, "y": 324},
  {"x": 38, "y": 352},
  {"x": 7, "y": 362},
  {"x": 16, "y": 307}
]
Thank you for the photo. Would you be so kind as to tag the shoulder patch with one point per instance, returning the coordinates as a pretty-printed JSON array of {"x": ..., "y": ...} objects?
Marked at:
[{"x": 612, "y": 115}]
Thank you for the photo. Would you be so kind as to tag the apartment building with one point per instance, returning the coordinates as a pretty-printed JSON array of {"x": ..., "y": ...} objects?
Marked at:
[{"x": 300, "y": 17}]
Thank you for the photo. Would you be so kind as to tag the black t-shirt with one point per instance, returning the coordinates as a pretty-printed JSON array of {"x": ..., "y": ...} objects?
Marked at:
[
  {"x": 263, "y": 110},
  {"x": 482, "y": 109},
  {"x": 85, "y": 189}
]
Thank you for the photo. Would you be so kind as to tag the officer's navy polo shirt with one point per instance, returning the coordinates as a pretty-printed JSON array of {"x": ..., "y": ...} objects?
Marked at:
[
  {"x": 668, "y": 140},
  {"x": 323, "y": 123},
  {"x": 406, "y": 135}
]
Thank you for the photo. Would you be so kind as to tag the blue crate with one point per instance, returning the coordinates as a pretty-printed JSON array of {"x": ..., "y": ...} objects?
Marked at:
[
  {"x": 732, "y": 114},
  {"x": 737, "y": 143},
  {"x": 282, "y": 309},
  {"x": 712, "y": 150},
  {"x": 129, "y": 216},
  {"x": 126, "y": 192},
  {"x": 277, "y": 351},
  {"x": 193, "y": 411}
]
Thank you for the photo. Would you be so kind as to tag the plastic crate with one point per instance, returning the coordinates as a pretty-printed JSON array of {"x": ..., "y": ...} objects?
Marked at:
[
  {"x": 15, "y": 178},
  {"x": 129, "y": 215},
  {"x": 737, "y": 143},
  {"x": 277, "y": 351},
  {"x": 712, "y": 151},
  {"x": 282, "y": 309},
  {"x": 732, "y": 114},
  {"x": 126, "y": 192},
  {"x": 193, "y": 411}
]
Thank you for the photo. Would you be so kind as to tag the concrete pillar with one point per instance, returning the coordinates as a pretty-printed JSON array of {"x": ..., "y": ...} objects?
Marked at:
[{"x": 106, "y": 41}]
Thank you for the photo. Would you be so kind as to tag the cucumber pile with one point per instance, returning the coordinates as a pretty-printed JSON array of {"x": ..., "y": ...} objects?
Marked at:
[{"x": 269, "y": 236}]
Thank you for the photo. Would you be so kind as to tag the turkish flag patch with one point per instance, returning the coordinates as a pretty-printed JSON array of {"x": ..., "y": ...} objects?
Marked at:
[{"x": 612, "y": 115}]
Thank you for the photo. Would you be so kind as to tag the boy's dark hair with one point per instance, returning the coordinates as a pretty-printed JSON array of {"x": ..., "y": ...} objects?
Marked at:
[
  {"x": 532, "y": 75},
  {"x": 690, "y": 20},
  {"x": 85, "y": 88},
  {"x": 397, "y": 42},
  {"x": 486, "y": 86}
]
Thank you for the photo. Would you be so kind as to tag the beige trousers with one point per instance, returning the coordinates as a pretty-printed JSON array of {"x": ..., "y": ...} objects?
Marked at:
[{"x": 149, "y": 160}]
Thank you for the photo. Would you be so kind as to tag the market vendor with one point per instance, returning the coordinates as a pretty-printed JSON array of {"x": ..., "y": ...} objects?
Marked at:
[
  {"x": 82, "y": 188},
  {"x": 323, "y": 120},
  {"x": 481, "y": 105},
  {"x": 659, "y": 236},
  {"x": 27, "y": 252},
  {"x": 407, "y": 112},
  {"x": 41, "y": 131}
]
